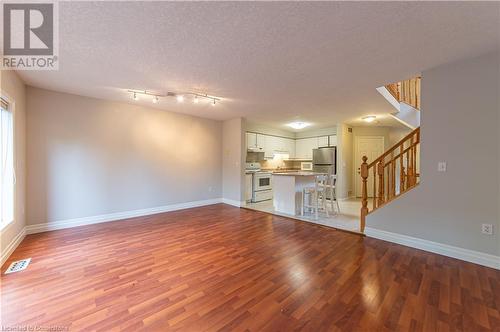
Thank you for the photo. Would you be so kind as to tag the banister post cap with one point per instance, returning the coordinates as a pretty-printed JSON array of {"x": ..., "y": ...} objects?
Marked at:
[{"x": 365, "y": 158}]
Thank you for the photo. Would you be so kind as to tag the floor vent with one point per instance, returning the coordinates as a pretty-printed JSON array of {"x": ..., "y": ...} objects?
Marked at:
[{"x": 18, "y": 266}]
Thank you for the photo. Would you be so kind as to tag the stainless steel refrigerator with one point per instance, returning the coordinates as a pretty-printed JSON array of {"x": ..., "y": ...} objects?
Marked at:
[{"x": 325, "y": 160}]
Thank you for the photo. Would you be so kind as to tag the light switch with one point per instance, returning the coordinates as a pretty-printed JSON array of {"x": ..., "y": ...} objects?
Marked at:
[{"x": 442, "y": 166}]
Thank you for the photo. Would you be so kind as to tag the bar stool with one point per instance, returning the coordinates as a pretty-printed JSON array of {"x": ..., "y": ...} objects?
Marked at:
[
  {"x": 332, "y": 192},
  {"x": 312, "y": 195}
]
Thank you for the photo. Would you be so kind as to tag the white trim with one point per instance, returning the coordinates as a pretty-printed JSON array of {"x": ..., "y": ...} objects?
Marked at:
[
  {"x": 13, "y": 245},
  {"x": 389, "y": 97},
  {"x": 435, "y": 247},
  {"x": 12, "y": 108},
  {"x": 233, "y": 202},
  {"x": 50, "y": 226}
]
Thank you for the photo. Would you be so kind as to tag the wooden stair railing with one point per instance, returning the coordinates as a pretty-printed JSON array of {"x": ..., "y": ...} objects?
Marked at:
[
  {"x": 393, "y": 173},
  {"x": 407, "y": 91}
]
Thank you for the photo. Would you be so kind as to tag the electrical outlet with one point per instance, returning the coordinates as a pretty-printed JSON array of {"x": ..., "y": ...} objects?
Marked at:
[
  {"x": 487, "y": 229},
  {"x": 442, "y": 166}
]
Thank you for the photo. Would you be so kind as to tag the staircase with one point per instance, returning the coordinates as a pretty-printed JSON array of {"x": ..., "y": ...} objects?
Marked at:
[
  {"x": 405, "y": 97},
  {"x": 391, "y": 175}
]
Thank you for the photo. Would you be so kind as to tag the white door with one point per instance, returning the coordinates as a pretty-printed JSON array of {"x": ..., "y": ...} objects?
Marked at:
[{"x": 372, "y": 147}]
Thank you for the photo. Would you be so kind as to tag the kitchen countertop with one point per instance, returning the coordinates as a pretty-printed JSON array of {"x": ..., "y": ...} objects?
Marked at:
[{"x": 299, "y": 173}]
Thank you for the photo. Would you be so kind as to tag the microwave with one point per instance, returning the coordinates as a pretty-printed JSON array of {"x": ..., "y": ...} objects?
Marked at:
[{"x": 306, "y": 166}]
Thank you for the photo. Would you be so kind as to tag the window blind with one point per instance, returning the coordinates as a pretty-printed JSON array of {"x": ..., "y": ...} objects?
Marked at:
[{"x": 4, "y": 104}]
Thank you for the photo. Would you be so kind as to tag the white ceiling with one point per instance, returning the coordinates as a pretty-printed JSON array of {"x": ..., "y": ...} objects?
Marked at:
[{"x": 271, "y": 62}]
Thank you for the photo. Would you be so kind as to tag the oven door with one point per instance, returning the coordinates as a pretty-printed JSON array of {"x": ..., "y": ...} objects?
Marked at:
[{"x": 262, "y": 181}]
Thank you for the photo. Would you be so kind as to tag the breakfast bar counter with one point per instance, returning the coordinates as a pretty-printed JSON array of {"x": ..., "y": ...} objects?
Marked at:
[{"x": 287, "y": 188}]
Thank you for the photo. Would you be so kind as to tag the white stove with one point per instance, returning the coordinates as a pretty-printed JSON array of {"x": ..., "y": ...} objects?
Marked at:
[{"x": 262, "y": 188}]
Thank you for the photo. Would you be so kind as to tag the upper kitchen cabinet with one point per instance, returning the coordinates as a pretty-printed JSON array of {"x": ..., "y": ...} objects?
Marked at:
[
  {"x": 290, "y": 147},
  {"x": 322, "y": 141},
  {"x": 304, "y": 147},
  {"x": 255, "y": 142},
  {"x": 332, "y": 140},
  {"x": 275, "y": 144},
  {"x": 251, "y": 141}
]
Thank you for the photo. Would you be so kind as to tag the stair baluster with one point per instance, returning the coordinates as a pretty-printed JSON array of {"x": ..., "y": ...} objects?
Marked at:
[{"x": 384, "y": 170}]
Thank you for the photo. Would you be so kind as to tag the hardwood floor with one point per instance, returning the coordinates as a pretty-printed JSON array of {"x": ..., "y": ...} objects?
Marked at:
[{"x": 224, "y": 268}]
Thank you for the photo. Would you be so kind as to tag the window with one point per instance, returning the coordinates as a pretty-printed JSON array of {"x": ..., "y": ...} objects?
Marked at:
[{"x": 7, "y": 175}]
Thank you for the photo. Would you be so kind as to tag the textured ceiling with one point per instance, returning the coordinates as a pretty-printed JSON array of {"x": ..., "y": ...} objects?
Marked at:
[{"x": 271, "y": 62}]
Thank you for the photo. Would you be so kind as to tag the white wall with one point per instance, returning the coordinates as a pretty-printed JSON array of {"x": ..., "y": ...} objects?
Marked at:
[
  {"x": 460, "y": 125},
  {"x": 89, "y": 157},
  {"x": 233, "y": 155},
  {"x": 14, "y": 88}
]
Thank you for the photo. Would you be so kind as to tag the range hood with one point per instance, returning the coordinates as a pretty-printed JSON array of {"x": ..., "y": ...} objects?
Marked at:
[{"x": 254, "y": 157}]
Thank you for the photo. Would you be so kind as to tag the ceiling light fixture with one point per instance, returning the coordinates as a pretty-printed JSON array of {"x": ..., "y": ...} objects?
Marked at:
[
  {"x": 369, "y": 118},
  {"x": 298, "y": 125},
  {"x": 180, "y": 97}
]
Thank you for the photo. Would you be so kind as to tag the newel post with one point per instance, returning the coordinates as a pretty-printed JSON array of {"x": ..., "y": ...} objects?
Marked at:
[{"x": 364, "y": 198}]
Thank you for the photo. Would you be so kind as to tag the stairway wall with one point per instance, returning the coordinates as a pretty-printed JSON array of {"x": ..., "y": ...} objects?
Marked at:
[{"x": 460, "y": 126}]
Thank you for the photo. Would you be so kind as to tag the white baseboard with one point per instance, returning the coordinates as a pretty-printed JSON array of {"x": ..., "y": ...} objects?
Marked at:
[
  {"x": 13, "y": 245},
  {"x": 233, "y": 202},
  {"x": 435, "y": 247},
  {"x": 50, "y": 226}
]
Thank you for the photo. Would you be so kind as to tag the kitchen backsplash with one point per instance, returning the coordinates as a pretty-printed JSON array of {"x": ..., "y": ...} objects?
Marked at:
[{"x": 278, "y": 163}]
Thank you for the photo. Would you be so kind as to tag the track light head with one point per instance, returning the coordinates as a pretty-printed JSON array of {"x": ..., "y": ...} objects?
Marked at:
[
  {"x": 213, "y": 104},
  {"x": 156, "y": 100},
  {"x": 196, "y": 100},
  {"x": 180, "y": 98},
  {"x": 135, "y": 96}
]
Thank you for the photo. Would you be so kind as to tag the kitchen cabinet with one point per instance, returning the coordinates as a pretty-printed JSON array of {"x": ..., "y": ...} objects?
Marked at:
[
  {"x": 290, "y": 147},
  {"x": 332, "y": 139},
  {"x": 300, "y": 148},
  {"x": 275, "y": 144},
  {"x": 251, "y": 141},
  {"x": 248, "y": 187},
  {"x": 261, "y": 141},
  {"x": 322, "y": 141},
  {"x": 255, "y": 142},
  {"x": 269, "y": 146},
  {"x": 304, "y": 147}
]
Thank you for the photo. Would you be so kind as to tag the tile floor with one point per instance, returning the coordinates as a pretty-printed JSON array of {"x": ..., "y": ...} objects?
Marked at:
[{"x": 347, "y": 219}]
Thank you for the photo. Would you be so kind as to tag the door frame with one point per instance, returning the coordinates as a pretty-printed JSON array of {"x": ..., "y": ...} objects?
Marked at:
[{"x": 356, "y": 175}]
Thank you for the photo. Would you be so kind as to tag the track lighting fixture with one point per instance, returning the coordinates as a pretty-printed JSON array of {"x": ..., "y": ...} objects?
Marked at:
[{"x": 179, "y": 97}]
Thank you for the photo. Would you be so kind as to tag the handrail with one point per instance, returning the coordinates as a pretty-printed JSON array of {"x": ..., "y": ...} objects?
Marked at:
[
  {"x": 415, "y": 132},
  {"x": 390, "y": 175}
]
